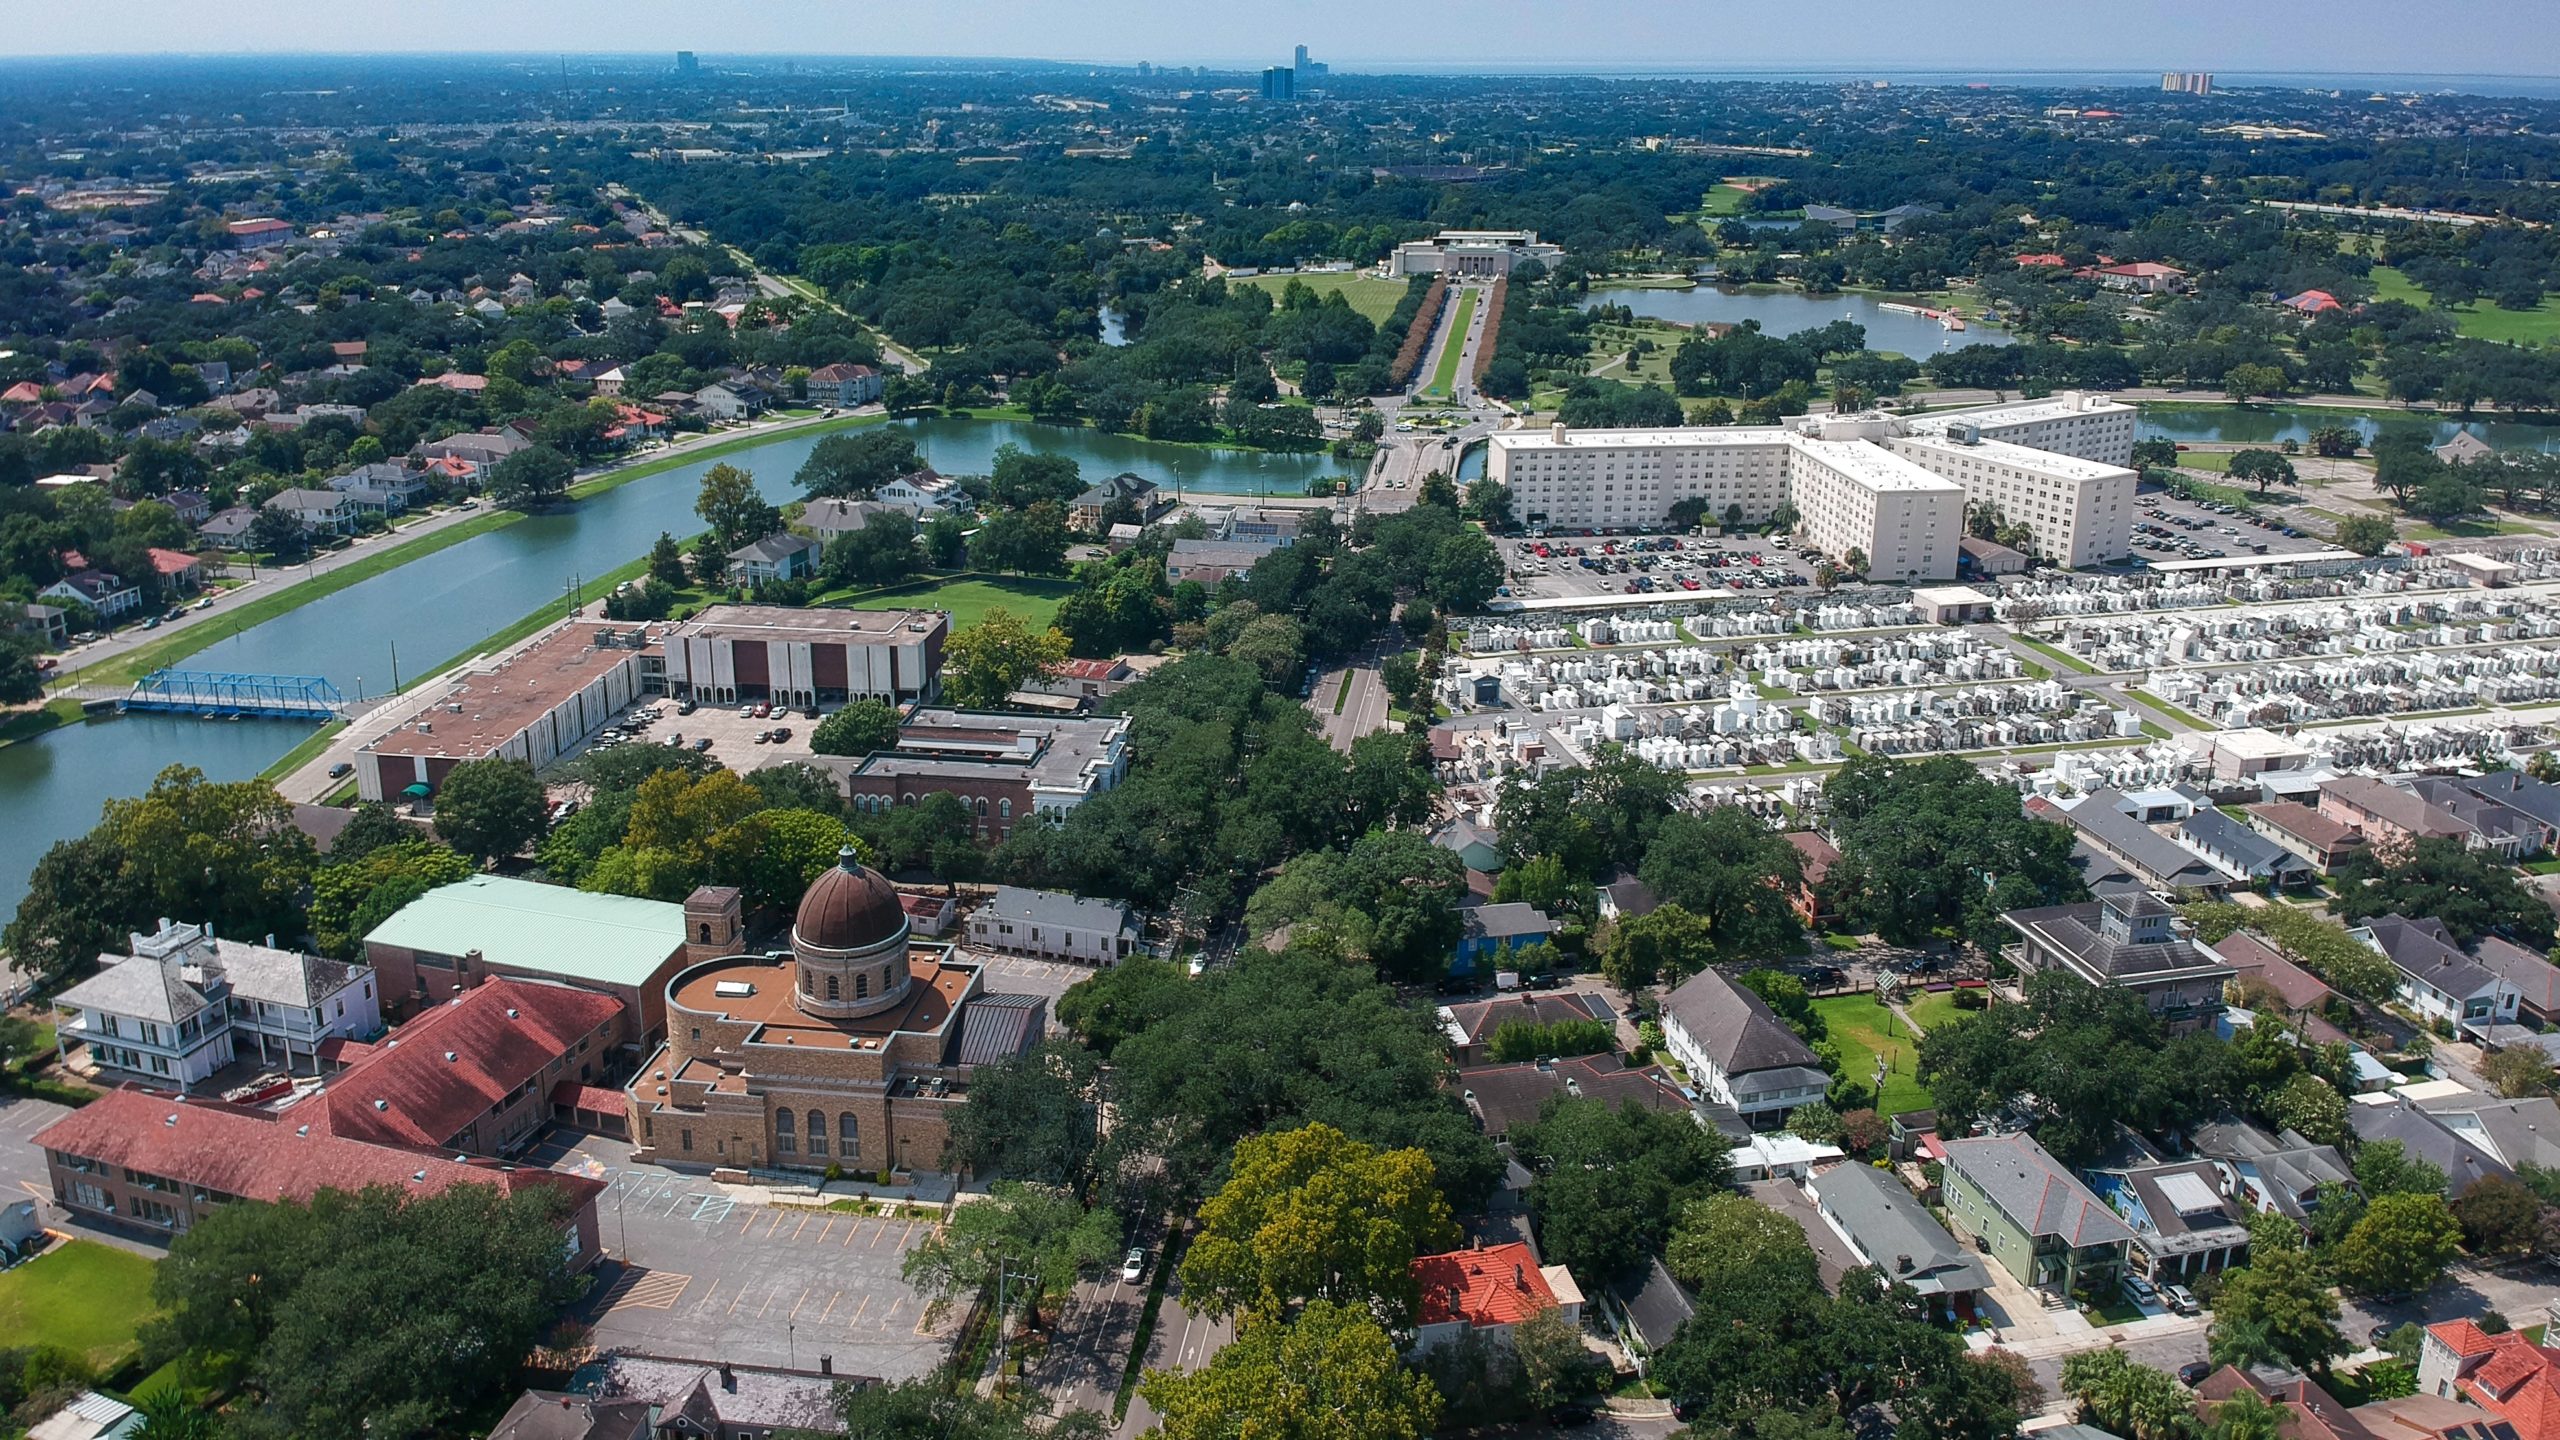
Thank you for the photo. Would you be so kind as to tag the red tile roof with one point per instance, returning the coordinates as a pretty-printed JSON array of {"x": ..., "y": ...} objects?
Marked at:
[
  {"x": 261, "y": 1154},
  {"x": 2507, "y": 1375},
  {"x": 442, "y": 1071},
  {"x": 1497, "y": 1285},
  {"x": 171, "y": 562}
]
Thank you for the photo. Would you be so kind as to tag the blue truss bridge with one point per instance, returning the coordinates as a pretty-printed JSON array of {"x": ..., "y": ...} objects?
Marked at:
[{"x": 231, "y": 695}]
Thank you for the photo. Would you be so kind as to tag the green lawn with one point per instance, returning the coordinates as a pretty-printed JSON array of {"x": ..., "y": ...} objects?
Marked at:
[
  {"x": 1724, "y": 199},
  {"x": 2481, "y": 319},
  {"x": 1862, "y": 1030},
  {"x": 1444, "y": 376},
  {"x": 1362, "y": 291},
  {"x": 1035, "y": 601},
  {"x": 83, "y": 1296},
  {"x": 2058, "y": 656},
  {"x": 1933, "y": 1008}
]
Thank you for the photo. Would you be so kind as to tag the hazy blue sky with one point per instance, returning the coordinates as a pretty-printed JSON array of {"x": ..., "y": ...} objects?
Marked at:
[{"x": 2445, "y": 36}]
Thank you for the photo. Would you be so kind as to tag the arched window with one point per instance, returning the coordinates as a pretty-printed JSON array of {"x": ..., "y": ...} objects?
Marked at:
[
  {"x": 982, "y": 807},
  {"x": 817, "y": 1132},
  {"x": 861, "y": 984},
  {"x": 1004, "y": 809},
  {"x": 831, "y": 987}
]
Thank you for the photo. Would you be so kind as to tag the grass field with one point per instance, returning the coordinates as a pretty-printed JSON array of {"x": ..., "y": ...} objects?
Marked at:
[
  {"x": 1933, "y": 1008},
  {"x": 1862, "y": 1030},
  {"x": 83, "y": 1296},
  {"x": 1034, "y": 601},
  {"x": 1724, "y": 199},
  {"x": 1359, "y": 289},
  {"x": 1444, "y": 375},
  {"x": 2481, "y": 319}
]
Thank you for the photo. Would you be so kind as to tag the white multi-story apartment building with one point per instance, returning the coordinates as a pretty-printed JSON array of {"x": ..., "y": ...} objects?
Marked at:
[
  {"x": 183, "y": 1005},
  {"x": 1893, "y": 488}
]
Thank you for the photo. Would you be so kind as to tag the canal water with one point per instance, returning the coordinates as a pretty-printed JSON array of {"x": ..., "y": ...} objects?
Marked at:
[
  {"x": 1783, "y": 312},
  {"x": 435, "y": 607},
  {"x": 2231, "y": 424}
]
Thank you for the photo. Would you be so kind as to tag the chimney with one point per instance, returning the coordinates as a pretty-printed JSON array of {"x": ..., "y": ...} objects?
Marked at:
[
  {"x": 1519, "y": 1277},
  {"x": 1557, "y": 432},
  {"x": 728, "y": 1377}
]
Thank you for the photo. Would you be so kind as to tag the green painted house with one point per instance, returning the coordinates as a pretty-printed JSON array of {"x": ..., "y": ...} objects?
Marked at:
[{"x": 2043, "y": 1226}]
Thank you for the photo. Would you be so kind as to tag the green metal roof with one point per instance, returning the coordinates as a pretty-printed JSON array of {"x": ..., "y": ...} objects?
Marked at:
[{"x": 602, "y": 939}]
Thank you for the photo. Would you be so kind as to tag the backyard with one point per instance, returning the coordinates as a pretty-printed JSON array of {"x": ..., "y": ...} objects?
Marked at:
[
  {"x": 1863, "y": 1030},
  {"x": 88, "y": 1298}
]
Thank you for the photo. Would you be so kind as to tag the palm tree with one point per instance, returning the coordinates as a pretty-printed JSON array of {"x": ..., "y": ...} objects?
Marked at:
[{"x": 2247, "y": 1415}]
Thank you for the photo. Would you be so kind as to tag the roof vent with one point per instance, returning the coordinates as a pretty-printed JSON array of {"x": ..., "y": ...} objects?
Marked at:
[
  {"x": 381, "y": 1104},
  {"x": 418, "y": 1175},
  {"x": 302, "y": 1131},
  {"x": 172, "y": 1120},
  {"x": 511, "y": 1013},
  {"x": 450, "y": 1057}
]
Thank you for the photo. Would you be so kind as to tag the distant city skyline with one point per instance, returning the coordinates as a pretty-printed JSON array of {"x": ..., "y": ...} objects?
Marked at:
[{"x": 2456, "y": 38}]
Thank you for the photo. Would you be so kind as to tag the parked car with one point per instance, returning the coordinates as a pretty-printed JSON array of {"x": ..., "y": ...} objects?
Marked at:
[
  {"x": 2180, "y": 1299},
  {"x": 2142, "y": 1291},
  {"x": 781, "y": 733},
  {"x": 701, "y": 745},
  {"x": 2193, "y": 1373}
]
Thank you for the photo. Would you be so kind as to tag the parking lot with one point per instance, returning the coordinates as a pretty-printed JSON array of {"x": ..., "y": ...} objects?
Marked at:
[
  {"x": 1668, "y": 566},
  {"x": 768, "y": 1284},
  {"x": 2189, "y": 530},
  {"x": 732, "y": 736}
]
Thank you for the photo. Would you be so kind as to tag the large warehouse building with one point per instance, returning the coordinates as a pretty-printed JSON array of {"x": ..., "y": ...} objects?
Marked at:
[
  {"x": 730, "y": 653},
  {"x": 1891, "y": 487}
]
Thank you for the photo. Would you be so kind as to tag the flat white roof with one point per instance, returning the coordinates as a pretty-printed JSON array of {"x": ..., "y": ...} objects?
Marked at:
[
  {"x": 1874, "y": 466},
  {"x": 2486, "y": 564},
  {"x": 1718, "y": 435},
  {"x": 2025, "y": 457},
  {"x": 2255, "y": 744},
  {"x": 1950, "y": 595},
  {"x": 2025, "y": 412}
]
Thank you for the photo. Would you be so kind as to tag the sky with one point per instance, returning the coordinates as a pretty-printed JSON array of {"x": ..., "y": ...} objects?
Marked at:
[{"x": 2291, "y": 36}]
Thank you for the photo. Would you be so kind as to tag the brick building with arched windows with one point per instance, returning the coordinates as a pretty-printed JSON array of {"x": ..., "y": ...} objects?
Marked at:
[{"x": 851, "y": 1049}]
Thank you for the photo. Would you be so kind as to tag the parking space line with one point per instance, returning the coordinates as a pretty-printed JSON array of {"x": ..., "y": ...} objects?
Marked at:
[
  {"x": 714, "y": 1290},
  {"x": 796, "y": 1304},
  {"x": 824, "y": 1231},
  {"x": 803, "y": 1225},
  {"x": 832, "y": 1301},
  {"x": 879, "y": 1232},
  {"x": 857, "y": 1314}
]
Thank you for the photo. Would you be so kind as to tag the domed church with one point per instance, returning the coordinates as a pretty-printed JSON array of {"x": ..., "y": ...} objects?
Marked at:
[{"x": 850, "y": 1049}]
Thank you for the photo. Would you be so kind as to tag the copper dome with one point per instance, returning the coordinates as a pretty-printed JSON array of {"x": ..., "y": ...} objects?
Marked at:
[{"x": 851, "y": 907}]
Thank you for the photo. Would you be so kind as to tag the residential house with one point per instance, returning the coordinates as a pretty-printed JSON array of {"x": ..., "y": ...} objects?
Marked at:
[
  {"x": 2515, "y": 1133},
  {"x": 319, "y": 512},
  {"x": 1470, "y": 1024},
  {"x": 928, "y": 915},
  {"x": 180, "y": 573},
  {"x": 183, "y": 1004},
  {"x": 2186, "y": 1217},
  {"x": 192, "y": 507},
  {"x": 2465, "y": 447},
  {"x": 923, "y": 495},
  {"x": 2035, "y": 1217},
  {"x": 382, "y": 488},
  {"x": 2129, "y": 942},
  {"x": 1625, "y": 898},
  {"x": 2437, "y": 979},
  {"x": 1486, "y": 1291},
  {"x": 2391, "y": 819},
  {"x": 2244, "y": 852},
  {"x": 49, "y": 624},
  {"x": 2424, "y": 1136},
  {"x": 831, "y": 520},
  {"x": 699, "y": 1400},
  {"x": 2322, "y": 840},
  {"x": 2143, "y": 277},
  {"x": 1475, "y": 845},
  {"x": 1487, "y": 933},
  {"x": 2507, "y": 1375},
  {"x": 1886, "y": 1226},
  {"x": 2502, "y": 812},
  {"x": 1739, "y": 1052},
  {"x": 106, "y": 594},
  {"x": 1211, "y": 562},
  {"x": 1646, "y": 1310},
  {"x": 1055, "y": 926},
  {"x": 1817, "y": 855},
  {"x": 845, "y": 385},
  {"x": 720, "y": 402},
  {"x": 480, "y": 450},
  {"x": 1504, "y": 1097},
  {"x": 1141, "y": 496},
  {"x": 2279, "y": 1172},
  {"x": 2108, "y": 820},
  {"x": 2307, "y": 1412},
  {"x": 559, "y": 1415},
  {"x": 2536, "y": 979},
  {"x": 2270, "y": 981},
  {"x": 778, "y": 556},
  {"x": 228, "y": 529}
]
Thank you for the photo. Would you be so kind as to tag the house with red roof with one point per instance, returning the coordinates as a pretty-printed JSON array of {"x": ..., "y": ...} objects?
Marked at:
[
  {"x": 2146, "y": 277},
  {"x": 1487, "y": 1290},
  {"x": 2044, "y": 261},
  {"x": 2312, "y": 302},
  {"x": 177, "y": 569},
  {"x": 2507, "y": 1375},
  {"x": 474, "y": 1075},
  {"x": 156, "y": 1163},
  {"x": 254, "y": 234}
]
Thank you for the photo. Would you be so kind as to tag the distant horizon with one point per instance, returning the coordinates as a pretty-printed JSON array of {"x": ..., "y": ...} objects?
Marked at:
[{"x": 1983, "y": 37}]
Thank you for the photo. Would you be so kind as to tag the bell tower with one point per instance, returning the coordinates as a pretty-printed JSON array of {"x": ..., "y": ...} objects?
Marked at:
[{"x": 714, "y": 924}]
